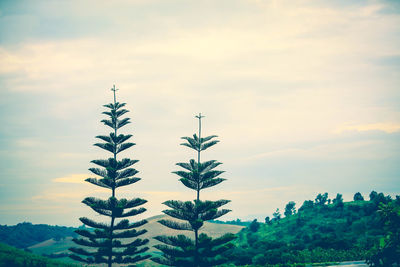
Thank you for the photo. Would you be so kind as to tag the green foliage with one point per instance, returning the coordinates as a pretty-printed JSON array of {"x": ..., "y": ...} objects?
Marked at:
[
  {"x": 277, "y": 215},
  {"x": 12, "y": 257},
  {"x": 254, "y": 226},
  {"x": 358, "y": 197},
  {"x": 373, "y": 195},
  {"x": 319, "y": 233},
  {"x": 338, "y": 201},
  {"x": 381, "y": 198},
  {"x": 290, "y": 208},
  {"x": 232, "y": 222},
  {"x": 307, "y": 204},
  {"x": 104, "y": 240},
  {"x": 321, "y": 199},
  {"x": 386, "y": 251},
  {"x": 202, "y": 250},
  {"x": 25, "y": 234}
]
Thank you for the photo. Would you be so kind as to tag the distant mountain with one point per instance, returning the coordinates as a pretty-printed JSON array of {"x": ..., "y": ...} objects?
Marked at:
[{"x": 26, "y": 234}]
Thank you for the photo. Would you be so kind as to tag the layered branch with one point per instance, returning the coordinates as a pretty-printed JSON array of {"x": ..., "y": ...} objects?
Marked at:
[
  {"x": 199, "y": 144},
  {"x": 176, "y": 225},
  {"x": 115, "y": 164},
  {"x": 199, "y": 175},
  {"x": 114, "y": 207}
]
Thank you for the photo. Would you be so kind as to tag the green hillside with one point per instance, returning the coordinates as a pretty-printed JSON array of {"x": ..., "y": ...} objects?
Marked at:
[
  {"x": 26, "y": 234},
  {"x": 13, "y": 257},
  {"x": 318, "y": 232}
]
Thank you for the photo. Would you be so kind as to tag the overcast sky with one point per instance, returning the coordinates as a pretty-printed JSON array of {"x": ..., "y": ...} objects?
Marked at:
[{"x": 304, "y": 96}]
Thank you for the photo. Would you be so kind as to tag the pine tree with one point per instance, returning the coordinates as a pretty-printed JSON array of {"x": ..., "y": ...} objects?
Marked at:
[
  {"x": 103, "y": 239},
  {"x": 202, "y": 250}
]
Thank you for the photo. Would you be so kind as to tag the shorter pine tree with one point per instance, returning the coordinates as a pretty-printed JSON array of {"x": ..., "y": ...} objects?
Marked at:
[
  {"x": 104, "y": 240},
  {"x": 202, "y": 250}
]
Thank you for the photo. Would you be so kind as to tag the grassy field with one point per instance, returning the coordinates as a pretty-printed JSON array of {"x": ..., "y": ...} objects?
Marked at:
[{"x": 153, "y": 227}]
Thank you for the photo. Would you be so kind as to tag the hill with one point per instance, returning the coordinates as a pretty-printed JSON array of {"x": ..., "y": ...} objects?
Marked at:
[
  {"x": 58, "y": 248},
  {"x": 318, "y": 232},
  {"x": 27, "y": 234},
  {"x": 13, "y": 257}
]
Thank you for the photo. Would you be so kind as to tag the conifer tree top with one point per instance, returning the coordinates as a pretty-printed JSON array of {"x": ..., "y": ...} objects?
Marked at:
[{"x": 114, "y": 90}]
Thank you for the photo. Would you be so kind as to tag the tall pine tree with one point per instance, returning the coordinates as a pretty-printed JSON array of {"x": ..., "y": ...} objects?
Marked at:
[
  {"x": 202, "y": 250},
  {"x": 103, "y": 239}
]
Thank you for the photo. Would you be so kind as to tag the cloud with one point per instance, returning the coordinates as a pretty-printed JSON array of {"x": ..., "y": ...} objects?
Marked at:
[
  {"x": 28, "y": 143},
  {"x": 278, "y": 81},
  {"x": 70, "y": 192},
  {"x": 278, "y": 48},
  {"x": 257, "y": 191},
  {"x": 389, "y": 127},
  {"x": 59, "y": 196},
  {"x": 325, "y": 151},
  {"x": 72, "y": 178}
]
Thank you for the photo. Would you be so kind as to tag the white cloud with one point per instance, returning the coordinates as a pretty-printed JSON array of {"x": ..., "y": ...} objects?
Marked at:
[
  {"x": 72, "y": 178},
  {"x": 338, "y": 150},
  {"x": 388, "y": 127}
]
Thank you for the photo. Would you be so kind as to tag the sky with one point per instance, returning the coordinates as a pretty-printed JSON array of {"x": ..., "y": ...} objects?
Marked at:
[{"x": 303, "y": 95}]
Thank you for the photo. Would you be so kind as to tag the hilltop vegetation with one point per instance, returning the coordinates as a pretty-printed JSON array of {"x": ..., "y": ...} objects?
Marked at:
[
  {"x": 232, "y": 222},
  {"x": 321, "y": 231},
  {"x": 26, "y": 234}
]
